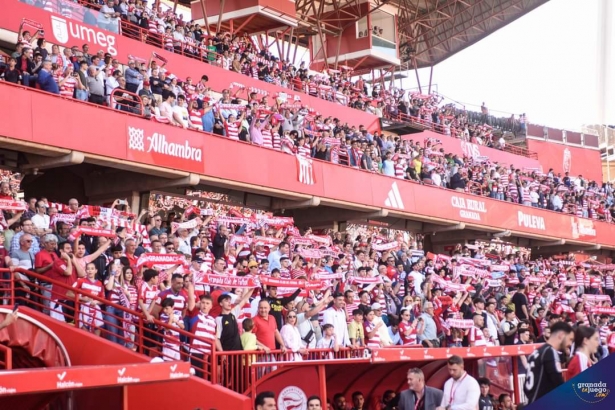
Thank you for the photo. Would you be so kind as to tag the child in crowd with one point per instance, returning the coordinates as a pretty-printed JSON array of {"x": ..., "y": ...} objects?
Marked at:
[{"x": 170, "y": 347}]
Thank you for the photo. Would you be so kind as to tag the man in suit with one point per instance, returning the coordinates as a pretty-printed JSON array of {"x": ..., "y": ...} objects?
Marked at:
[{"x": 419, "y": 396}]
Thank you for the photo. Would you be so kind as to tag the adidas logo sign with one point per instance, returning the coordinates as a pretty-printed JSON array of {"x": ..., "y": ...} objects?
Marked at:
[{"x": 394, "y": 198}]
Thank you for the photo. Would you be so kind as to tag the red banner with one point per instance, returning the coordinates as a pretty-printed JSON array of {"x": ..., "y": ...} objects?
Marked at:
[
  {"x": 291, "y": 283},
  {"x": 566, "y": 158},
  {"x": 149, "y": 259},
  {"x": 228, "y": 281},
  {"x": 8, "y": 205},
  {"x": 107, "y": 233}
]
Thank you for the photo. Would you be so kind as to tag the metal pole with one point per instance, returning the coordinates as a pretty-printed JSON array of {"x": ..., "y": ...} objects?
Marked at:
[
  {"x": 416, "y": 71},
  {"x": 322, "y": 376},
  {"x": 430, "y": 77},
  {"x": 515, "y": 366}
]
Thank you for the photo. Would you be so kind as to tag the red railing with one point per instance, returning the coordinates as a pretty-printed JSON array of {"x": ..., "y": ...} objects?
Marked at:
[
  {"x": 231, "y": 369},
  {"x": 441, "y": 129},
  {"x": 513, "y": 149},
  {"x": 126, "y": 101},
  {"x": 134, "y": 332}
]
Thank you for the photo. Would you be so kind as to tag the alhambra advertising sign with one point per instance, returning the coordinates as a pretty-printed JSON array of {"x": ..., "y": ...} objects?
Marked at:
[{"x": 161, "y": 145}]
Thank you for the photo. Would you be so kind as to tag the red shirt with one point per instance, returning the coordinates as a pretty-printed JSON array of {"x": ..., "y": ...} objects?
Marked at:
[
  {"x": 180, "y": 298},
  {"x": 476, "y": 336},
  {"x": 93, "y": 287},
  {"x": 147, "y": 294},
  {"x": 57, "y": 273},
  {"x": 216, "y": 309},
  {"x": 264, "y": 329},
  {"x": 44, "y": 258},
  {"x": 411, "y": 339}
]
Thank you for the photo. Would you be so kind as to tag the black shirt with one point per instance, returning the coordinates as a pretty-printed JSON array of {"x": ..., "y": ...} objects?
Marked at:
[
  {"x": 420, "y": 405},
  {"x": 485, "y": 403},
  {"x": 519, "y": 299},
  {"x": 229, "y": 338},
  {"x": 156, "y": 85},
  {"x": 11, "y": 76},
  {"x": 277, "y": 305},
  {"x": 544, "y": 373}
]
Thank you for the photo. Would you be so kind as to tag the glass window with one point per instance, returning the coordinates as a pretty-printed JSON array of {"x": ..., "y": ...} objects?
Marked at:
[{"x": 362, "y": 29}]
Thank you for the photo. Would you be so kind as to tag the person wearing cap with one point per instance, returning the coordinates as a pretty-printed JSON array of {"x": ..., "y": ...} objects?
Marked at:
[
  {"x": 383, "y": 332},
  {"x": 227, "y": 329},
  {"x": 45, "y": 79},
  {"x": 253, "y": 268}
]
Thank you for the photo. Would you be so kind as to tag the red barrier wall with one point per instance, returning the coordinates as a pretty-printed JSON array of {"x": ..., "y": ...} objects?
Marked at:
[
  {"x": 463, "y": 148},
  {"x": 70, "y": 33},
  {"x": 127, "y": 137},
  {"x": 565, "y": 158},
  {"x": 87, "y": 349}
]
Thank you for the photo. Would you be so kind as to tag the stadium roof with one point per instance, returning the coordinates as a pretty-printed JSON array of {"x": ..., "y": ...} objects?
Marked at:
[
  {"x": 430, "y": 31},
  {"x": 433, "y": 30}
]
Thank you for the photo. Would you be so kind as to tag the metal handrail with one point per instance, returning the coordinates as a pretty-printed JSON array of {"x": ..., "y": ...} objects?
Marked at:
[{"x": 231, "y": 369}]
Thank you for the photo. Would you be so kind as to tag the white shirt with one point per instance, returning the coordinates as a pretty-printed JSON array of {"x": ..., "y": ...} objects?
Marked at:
[
  {"x": 418, "y": 281},
  {"x": 40, "y": 221},
  {"x": 291, "y": 337},
  {"x": 383, "y": 332},
  {"x": 465, "y": 393},
  {"x": 337, "y": 318}
]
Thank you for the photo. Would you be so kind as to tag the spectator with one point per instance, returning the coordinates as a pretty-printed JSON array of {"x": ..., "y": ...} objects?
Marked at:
[
  {"x": 427, "y": 330},
  {"x": 95, "y": 86},
  {"x": 27, "y": 228},
  {"x": 108, "y": 18},
  {"x": 292, "y": 338},
  {"x": 586, "y": 344},
  {"x": 265, "y": 328},
  {"x": 11, "y": 74},
  {"x": 45, "y": 79},
  {"x": 419, "y": 395},
  {"x": 336, "y": 316},
  {"x": 227, "y": 332},
  {"x": 521, "y": 303}
]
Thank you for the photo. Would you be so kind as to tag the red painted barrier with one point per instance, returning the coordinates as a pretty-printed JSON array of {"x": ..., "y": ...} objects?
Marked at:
[{"x": 566, "y": 158}]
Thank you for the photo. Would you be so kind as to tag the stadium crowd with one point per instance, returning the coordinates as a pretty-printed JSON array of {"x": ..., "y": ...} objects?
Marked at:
[
  {"x": 250, "y": 281},
  {"x": 290, "y": 127},
  {"x": 164, "y": 29}
]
